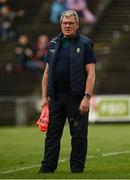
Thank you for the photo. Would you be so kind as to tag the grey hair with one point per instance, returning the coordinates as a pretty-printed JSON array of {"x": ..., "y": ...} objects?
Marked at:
[{"x": 69, "y": 13}]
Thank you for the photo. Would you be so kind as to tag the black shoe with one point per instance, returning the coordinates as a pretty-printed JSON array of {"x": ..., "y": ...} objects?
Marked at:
[
  {"x": 45, "y": 171},
  {"x": 77, "y": 171}
]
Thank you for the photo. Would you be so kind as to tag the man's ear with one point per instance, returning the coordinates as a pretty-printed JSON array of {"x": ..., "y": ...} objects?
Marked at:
[{"x": 77, "y": 25}]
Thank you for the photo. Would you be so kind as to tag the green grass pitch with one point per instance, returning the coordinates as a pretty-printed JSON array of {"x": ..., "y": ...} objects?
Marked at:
[{"x": 21, "y": 150}]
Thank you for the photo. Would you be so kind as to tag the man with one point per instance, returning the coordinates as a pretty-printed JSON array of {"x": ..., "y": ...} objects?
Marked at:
[{"x": 68, "y": 81}]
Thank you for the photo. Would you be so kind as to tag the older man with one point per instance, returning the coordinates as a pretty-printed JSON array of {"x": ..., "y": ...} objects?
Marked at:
[{"x": 68, "y": 81}]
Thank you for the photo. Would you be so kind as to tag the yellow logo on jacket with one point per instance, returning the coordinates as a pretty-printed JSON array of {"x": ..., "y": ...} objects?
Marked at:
[{"x": 78, "y": 50}]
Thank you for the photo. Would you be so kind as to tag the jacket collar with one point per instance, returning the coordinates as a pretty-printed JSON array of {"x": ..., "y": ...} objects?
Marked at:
[{"x": 75, "y": 37}]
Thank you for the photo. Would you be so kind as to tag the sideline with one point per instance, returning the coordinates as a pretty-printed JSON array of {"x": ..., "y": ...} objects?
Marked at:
[
  {"x": 64, "y": 160},
  {"x": 26, "y": 168}
]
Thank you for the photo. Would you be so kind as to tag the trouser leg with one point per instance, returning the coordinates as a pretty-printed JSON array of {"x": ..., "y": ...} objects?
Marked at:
[
  {"x": 53, "y": 136},
  {"x": 79, "y": 129}
]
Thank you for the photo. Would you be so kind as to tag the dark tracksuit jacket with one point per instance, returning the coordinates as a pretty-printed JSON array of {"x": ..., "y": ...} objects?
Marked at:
[{"x": 78, "y": 76}]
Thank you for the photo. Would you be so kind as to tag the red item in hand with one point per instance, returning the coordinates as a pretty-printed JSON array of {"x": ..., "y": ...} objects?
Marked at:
[{"x": 43, "y": 121}]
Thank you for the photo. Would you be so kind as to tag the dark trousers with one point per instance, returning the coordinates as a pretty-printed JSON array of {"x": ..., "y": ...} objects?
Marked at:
[{"x": 60, "y": 109}]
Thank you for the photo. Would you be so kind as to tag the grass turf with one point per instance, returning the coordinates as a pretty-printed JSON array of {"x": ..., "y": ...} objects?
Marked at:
[{"x": 23, "y": 147}]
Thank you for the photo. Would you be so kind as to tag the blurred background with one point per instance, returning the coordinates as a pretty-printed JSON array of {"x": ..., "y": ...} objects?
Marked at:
[{"x": 26, "y": 28}]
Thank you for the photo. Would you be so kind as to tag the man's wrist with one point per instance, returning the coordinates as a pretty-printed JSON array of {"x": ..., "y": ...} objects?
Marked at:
[
  {"x": 44, "y": 97},
  {"x": 87, "y": 95}
]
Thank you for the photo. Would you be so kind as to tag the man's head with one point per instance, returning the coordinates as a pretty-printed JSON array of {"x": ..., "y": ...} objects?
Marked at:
[{"x": 69, "y": 23}]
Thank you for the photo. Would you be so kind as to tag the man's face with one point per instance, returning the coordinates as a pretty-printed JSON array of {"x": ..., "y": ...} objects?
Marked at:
[{"x": 69, "y": 26}]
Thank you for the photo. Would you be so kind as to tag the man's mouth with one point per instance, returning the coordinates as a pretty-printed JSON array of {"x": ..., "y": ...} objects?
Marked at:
[{"x": 67, "y": 31}]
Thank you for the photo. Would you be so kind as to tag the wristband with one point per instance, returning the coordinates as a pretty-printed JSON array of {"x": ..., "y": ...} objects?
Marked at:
[{"x": 87, "y": 95}]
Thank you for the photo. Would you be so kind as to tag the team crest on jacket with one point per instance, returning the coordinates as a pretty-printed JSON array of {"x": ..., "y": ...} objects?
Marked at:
[{"x": 78, "y": 50}]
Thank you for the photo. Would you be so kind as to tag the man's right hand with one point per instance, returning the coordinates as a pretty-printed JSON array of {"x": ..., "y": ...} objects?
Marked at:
[{"x": 44, "y": 102}]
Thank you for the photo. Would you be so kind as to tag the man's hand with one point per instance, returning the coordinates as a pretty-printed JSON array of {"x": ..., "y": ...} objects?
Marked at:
[
  {"x": 44, "y": 102},
  {"x": 84, "y": 105}
]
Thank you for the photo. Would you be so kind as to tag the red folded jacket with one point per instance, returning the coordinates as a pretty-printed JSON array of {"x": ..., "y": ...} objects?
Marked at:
[{"x": 43, "y": 121}]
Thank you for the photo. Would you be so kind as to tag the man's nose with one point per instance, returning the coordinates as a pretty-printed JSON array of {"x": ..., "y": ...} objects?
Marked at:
[{"x": 67, "y": 25}]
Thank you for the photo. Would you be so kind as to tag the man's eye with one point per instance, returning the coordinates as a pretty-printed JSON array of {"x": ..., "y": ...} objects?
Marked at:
[{"x": 69, "y": 23}]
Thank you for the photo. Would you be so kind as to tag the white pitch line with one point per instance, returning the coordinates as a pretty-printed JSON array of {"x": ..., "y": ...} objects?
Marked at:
[
  {"x": 64, "y": 160},
  {"x": 19, "y": 169},
  {"x": 115, "y": 153},
  {"x": 28, "y": 167}
]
